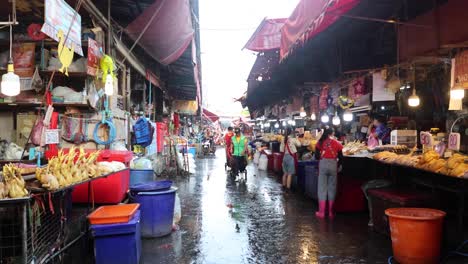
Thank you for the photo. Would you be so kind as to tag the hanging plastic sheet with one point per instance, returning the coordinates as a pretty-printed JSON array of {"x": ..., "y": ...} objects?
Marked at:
[{"x": 170, "y": 29}]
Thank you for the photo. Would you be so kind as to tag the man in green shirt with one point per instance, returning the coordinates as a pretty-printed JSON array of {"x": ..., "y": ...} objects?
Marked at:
[{"x": 239, "y": 151}]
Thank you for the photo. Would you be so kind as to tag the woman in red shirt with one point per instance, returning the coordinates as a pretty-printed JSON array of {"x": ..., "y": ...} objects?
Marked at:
[{"x": 328, "y": 151}]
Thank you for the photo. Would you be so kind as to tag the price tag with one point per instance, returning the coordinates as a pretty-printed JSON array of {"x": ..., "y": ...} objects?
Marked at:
[
  {"x": 454, "y": 141},
  {"x": 52, "y": 136},
  {"x": 426, "y": 139}
]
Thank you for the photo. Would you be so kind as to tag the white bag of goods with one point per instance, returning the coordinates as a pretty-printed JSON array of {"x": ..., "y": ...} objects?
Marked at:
[
  {"x": 177, "y": 210},
  {"x": 256, "y": 157},
  {"x": 141, "y": 164},
  {"x": 13, "y": 152},
  {"x": 263, "y": 162},
  {"x": 67, "y": 93}
]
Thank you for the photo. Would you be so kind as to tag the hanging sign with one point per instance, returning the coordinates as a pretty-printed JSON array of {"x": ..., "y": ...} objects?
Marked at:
[
  {"x": 94, "y": 56},
  {"x": 461, "y": 69},
  {"x": 51, "y": 136},
  {"x": 454, "y": 141},
  {"x": 426, "y": 139},
  {"x": 59, "y": 16}
]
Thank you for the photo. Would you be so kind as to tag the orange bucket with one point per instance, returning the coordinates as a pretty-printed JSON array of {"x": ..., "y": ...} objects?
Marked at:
[{"x": 416, "y": 234}]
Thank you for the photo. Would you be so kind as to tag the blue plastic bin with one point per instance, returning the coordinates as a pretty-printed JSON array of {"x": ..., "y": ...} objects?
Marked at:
[
  {"x": 141, "y": 176},
  {"x": 300, "y": 181},
  {"x": 157, "y": 211},
  {"x": 311, "y": 180},
  {"x": 118, "y": 243}
]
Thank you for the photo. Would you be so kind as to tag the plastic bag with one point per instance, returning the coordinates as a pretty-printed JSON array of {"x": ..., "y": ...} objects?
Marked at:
[
  {"x": 263, "y": 163},
  {"x": 177, "y": 210},
  {"x": 37, "y": 131},
  {"x": 141, "y": 164},
  {"x": 256, "y": 157}
]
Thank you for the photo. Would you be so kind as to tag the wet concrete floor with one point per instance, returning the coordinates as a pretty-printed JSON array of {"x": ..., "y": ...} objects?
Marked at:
[{"x": 224, "y": 221}]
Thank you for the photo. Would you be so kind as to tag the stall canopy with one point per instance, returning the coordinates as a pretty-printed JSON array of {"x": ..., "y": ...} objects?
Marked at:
[
  {"x": 210, "y": 115},
  {"x": 169, "y": 30},
  {"x": 267, "y": 36},
  {"x": 309, "y": 19},
  {"x": 435, "y": 30}
]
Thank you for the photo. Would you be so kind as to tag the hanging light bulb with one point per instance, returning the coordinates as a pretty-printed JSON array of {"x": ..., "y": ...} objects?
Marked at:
[
  {"x": 313, "y": 117},
  {"x": 325, "y": 118},
  {"x": 348, "y": 116},
  {"x": 413, "y": 100},
  {"x": 10, "y": 85},
  {"x": 290, "y": 122},
  {"x": 303, "y": 112},
  {"x": 457, "y": 93},
  {"x": 284, "y": 123},
  {"x": 277, "y": 125},
  {"x": 267, "y": 124},
  {"x": 109, "y": 86},
  {"x": 336, "y": 120},
  {"x": 293, "y": 123}
]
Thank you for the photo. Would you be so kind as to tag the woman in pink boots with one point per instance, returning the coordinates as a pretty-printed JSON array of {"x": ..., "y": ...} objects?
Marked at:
[{"x": 329, "y": 152}]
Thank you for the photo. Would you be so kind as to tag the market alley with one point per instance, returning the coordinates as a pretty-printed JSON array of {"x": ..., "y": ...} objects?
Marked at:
[{"x": 257, "y": 222}]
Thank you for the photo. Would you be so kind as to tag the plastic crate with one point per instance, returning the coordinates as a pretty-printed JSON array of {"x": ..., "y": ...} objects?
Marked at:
[
  {"x": 109, "y": 190},
  {"x": 118, "y": 243},
  {"x": 113, "y": 214},
  {"x": 383, "y": 199},
  {"x": 350, "y": 197}
]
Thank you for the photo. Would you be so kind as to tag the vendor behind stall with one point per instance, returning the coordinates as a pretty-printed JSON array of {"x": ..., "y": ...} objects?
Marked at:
[{"x": 382, "y": 132}]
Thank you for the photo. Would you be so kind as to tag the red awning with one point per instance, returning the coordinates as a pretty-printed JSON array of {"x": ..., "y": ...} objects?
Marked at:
[
  {"x": 169, "y": 33},
  {"x": 267, "y": 36},
  {"x": 309, "y": 19},
  {"x": 211, "y": 116}
]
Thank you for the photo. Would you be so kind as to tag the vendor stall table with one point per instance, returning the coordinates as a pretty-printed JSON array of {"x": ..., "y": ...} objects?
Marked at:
[
  {"x": 435, "y": 184},
  {"x": 39, "y": 228}
]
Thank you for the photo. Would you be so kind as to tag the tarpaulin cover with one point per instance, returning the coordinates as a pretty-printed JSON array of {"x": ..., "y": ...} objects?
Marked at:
[
  {"x": 441, "y": 27},
  {"x": 267, "y": 36},
  {"x": 213, "y": 117},
  {"x": 170, "y": 32},
  {"x": 309, "y": 19}
]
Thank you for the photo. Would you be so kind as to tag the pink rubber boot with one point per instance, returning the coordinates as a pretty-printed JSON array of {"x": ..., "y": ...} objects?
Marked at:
[
  {"x": 331, "y": 209},
  {"x": 321, "y": 212}
]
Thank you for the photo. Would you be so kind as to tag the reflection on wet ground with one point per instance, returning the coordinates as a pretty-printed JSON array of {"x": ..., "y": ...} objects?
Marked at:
[{"x": 224, "y": 221}]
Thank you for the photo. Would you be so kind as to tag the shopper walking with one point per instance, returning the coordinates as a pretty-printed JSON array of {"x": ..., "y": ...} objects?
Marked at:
[
  {"x": 239, "y": 151},
  {"x": 289, "y": 148},
  {"x": 329, "y": 152},
  {"x": 228, "y": 144}
]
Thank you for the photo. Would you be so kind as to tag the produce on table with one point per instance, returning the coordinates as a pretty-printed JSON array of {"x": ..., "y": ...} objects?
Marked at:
[
  {"x": 402, "y": 149},
  {"x": 71, "y": 168},
  {"x": 354, "y": 147},
  {"x": 384, "y": 156},
  {"x": 14, "y": 183}
]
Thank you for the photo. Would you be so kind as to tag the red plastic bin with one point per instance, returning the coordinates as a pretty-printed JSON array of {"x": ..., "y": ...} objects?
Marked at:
[
  {"x": 109, "y": 190},
  {"x": 385, "y": 198},
  {"x": 350, "y": 197},
  {"x": 278, "y": 162},
  {"x": 161, "y": 133},
  {"x": 123, "y": 156}
]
